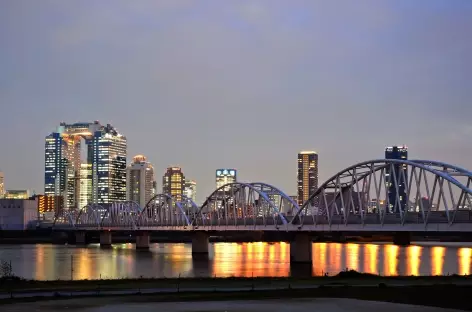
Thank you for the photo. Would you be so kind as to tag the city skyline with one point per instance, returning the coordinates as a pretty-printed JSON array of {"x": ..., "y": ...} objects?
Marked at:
[{"x": 231, "y": 74}]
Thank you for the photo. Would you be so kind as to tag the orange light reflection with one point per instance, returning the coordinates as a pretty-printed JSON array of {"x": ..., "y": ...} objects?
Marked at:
[
  {"x": 413, "y": 254},
  {"x": 465, "y": 255},
  {"x": 437, "y": 260},
  {"x": 371, "y": 258},
  {"x": 390, "y": 260}
]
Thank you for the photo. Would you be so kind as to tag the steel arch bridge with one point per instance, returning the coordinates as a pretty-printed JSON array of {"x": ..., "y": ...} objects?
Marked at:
[
  {"x": 378, "y": 195},
  {"x": 388, "y": 191}
]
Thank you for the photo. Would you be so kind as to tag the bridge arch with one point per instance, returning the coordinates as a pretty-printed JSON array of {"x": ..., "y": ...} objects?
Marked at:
[
  {"x": 401, "y": 189},
  {"x": 90, "y": 216},
  {"x": 269, "y": 189},
  {"x": 121, "y": 214},
  {"x": 239, "y": 204},
  {"x": 165, "y": 210}
]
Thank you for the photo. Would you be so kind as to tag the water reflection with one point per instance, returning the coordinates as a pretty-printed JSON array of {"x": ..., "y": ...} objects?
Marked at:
[
  {"x": 437, "y": 260},
  {"x": 371, "y": 258},
  {"x": 413, "y": 254},
  {"x": 391, "y": 260},
  {"x": 230, "y": 259},
  {"x": 465, "y": 255}
]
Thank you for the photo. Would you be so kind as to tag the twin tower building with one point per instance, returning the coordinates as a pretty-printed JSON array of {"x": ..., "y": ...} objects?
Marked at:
[{"x": 86, "y": 163}]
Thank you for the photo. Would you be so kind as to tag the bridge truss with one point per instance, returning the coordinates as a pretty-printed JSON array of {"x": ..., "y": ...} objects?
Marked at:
[
  {"x": 391, "y": 192},
  {"x": 380, "y": 192}
]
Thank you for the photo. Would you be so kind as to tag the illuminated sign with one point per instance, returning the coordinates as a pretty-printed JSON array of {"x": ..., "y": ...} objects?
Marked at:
[{"x": 226, "y": 172}]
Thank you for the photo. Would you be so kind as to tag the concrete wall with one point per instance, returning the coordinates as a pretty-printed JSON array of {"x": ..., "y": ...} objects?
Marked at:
[{"x": 16, "y": 214}]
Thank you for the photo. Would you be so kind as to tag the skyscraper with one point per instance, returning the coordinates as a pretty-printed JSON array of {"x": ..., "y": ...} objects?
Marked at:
[
  {"x": 225, "y": 176},
  {"x": 102, "y": 169},
  {"x": 140, "y": 181},
  {"x": 307, "y": 178},
  {"x": 173, "y": 182},
  {"x": 400, "y": 174},
  {"x": 2, "y": 185},
  {"x": 191, "y": 189}
]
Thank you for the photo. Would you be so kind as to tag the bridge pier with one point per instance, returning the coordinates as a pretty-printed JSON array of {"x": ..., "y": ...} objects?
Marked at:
[
  {"x": 301, "y": 248},
  {"x": 402, "y": 238},
  {"x": 105, "y": 239},
  {"x": 142, "y": 241},
  {"x": 80, "y": 238},
  {"x": 200, "y": 243}
]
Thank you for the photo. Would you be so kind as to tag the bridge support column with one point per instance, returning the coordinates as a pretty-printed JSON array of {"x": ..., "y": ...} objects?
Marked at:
[
  {"x": 301, "y": 248},
  {"x": 105, "y": 239},
  {"x": 80, "y": 238},
  {"x": 142, "y": 241},
  {"x": 200, "y": 243},
  {"x": 402, "y": 238}
]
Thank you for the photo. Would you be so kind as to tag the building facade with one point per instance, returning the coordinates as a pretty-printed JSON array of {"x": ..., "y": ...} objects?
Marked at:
[
  {"x": 85, "y": 163},
  {"x": 191, "y": 189},
  {"x": 173, "y": 182},
  {"x": 49, "y": 206},
  {"x": 400, "y": 175},
  {"x": 18, "y": 214},
  {"x": 140, "y": 181},
  {"x": 225, "y": 176},
  {"x": 307, "y": 177},
  {"x": 16, "y": 194},
  {"x": 2, "y": 185}
]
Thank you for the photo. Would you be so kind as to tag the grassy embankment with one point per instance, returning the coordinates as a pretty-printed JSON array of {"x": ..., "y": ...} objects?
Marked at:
[{"x": 440, "y": 291}]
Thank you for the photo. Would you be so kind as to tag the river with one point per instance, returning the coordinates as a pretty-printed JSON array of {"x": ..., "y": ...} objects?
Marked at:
[{"x": 50, "y": 262}]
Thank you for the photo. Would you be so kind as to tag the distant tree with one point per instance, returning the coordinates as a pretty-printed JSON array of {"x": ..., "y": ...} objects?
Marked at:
[{"x": 5, "y": 269}]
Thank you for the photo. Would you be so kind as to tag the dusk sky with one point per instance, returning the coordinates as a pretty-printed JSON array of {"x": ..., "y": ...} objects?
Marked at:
[{"x": 238, "y": 84}]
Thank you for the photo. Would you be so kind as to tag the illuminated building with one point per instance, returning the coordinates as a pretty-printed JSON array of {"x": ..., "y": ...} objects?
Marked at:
[
  {"x": 173, "y": 182},
  {"x": 140, "y": 181},
  {"x": 108, "y": 166},
  {"x": 191, "y": 189},
  {"x": 2, "y": 185},
  {"x": 16, "y": 194},
  {"x": 90, "y": 152},
  {"x": 400, "y": 173},
  {"x": 49, "y": 206},
  {"x": 18, "y": 214},
  {"x": 85, "y": 195},
  {"x": 307, "y": 176},
  {"x": 225, "y": 176}
]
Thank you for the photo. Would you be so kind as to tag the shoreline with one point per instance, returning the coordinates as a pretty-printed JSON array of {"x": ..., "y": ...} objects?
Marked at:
[{"x": 444, "y": 295}]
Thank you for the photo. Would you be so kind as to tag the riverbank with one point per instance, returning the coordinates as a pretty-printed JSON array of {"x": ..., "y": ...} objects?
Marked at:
[
  {"x": 445, "y": 292},
  {"x": 345, "y": 278}
]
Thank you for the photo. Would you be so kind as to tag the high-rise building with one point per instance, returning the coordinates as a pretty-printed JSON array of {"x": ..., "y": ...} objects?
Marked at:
[
  {"x": 191, "y": 189},
  {"x": 400, "y": 175},
  {"x": 140, "y": 181},
  {"x": 2, "y": 185},
  {"x": 85, "y": 190},
  {"x": 225, "y": 176},
  {"x": 173, "y": 182},
  {"x": 103, "y": 167},
  {"x": 307, "y": 176}
]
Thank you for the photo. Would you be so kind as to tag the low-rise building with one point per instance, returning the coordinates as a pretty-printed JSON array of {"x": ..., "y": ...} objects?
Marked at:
[{"x": 18, "y": 214}]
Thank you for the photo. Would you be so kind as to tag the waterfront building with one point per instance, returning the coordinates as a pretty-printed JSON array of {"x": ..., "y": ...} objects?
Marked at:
[
  {"x": 85, "y": 190},
  {"x": 2, "y": 185},
  {"x": 49, "y": 206},
  {"x": 140, "y": 181},
  {"x": 191, "y": 189},
  {"x": 18, "y": 214},
  {"x": 307, "y": 177},
  {"x": 396, "y": 202},
  {"x": 173, "y": 182},
  {"x": 16, "y": 194},
  {"x": 84, "y": 163}
]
